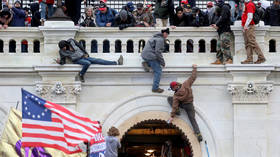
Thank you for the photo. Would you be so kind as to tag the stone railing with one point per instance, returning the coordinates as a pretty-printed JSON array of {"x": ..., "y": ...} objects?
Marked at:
[{"x": 38, "y": 46}]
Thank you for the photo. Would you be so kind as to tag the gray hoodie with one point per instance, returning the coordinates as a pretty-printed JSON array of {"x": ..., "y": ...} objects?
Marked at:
[
  {"x": 154, "y": 48},
  {"x": 112, "y": 145}
]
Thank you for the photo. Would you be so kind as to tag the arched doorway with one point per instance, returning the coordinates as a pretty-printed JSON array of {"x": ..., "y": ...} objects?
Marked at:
[{"x": 151, "y": 138}]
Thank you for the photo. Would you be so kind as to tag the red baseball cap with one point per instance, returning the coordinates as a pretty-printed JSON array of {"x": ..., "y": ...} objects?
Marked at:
[
  {"x": 102, "y": 6},
  {"x": 184, "y": 2},
  {"x": 173, "y": 84},
  {"x": 104, "y": 1}
]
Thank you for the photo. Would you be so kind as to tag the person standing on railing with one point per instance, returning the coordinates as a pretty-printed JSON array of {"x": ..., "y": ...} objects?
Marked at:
[
  {"x": 77, "y": 54},
  {"x": 248, "y": 25},
  {"x": 18, "y": 15},
  {"x": 43, "y": 6},
  {"x": 222, "y": 26},
  {"x": 164, "y": 10},
  {"x": 105, "y": 16},
  {"x": 153, "y": 59},
  {"x": 183, "y": 97}
]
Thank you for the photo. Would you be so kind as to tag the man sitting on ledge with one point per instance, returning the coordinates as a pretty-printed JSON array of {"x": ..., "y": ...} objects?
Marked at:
[{"x": 77, "y": 54}]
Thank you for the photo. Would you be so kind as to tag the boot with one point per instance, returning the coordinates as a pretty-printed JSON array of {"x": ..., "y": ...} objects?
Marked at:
[
  {"x": 199, "y": 137},
  {"x": 247, "y": 62},
  {"x": 157, "y": 90},
  {"x": 82, "y": 79},
  {"x": 217, "y": 62},
  {"x": 259, "y": 61},
  {"x": 146, "y": 67},
  {"x": 229, "y": 61},
  {"x": 120, "y": 60}
]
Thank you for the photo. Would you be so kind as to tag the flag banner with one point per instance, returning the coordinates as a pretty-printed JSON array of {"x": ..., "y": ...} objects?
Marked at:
[
  {"x": 46, "y": 124},
  {"x": 10, "y": 143},
  {"x": 98, "y": 145}
]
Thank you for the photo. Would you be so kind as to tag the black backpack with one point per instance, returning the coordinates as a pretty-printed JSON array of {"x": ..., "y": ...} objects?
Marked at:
[{"x": 257, "y": 15}]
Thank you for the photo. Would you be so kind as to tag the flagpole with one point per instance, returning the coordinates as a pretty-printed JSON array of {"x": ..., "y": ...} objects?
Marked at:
[
  {"x": 88, "y": 149},
  {"x": 17, "y": 104}
]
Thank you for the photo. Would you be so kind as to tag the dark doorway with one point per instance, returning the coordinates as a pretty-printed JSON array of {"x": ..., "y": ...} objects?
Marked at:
[{"x": 147, "y": 139}]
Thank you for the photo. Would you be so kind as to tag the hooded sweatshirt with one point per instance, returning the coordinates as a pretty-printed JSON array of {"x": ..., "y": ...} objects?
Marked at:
[
  {"x": 154, "y": 48},
  {"x": 112, "y": 145}
]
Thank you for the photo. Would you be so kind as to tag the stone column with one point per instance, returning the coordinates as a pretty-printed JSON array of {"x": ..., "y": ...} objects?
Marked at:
[
  {"x": 239, "y": 47},
  {"x": 53, "y": 32},
  {"x": 58, "y": 84},
  {"x": 250, "y": 92}
]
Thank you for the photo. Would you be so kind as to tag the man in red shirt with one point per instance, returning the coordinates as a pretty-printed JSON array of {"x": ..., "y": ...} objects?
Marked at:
[{"x": 249, "y": 34}]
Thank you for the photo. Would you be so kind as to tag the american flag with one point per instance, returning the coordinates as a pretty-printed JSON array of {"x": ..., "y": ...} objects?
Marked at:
[{"x": 46, "y": 124}]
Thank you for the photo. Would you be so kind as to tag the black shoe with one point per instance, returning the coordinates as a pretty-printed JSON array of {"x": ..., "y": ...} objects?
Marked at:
[
  {"x": 199, "y": 137},
  {"x": 120, "y": 60},
  {"x": 146, "y": 67},
  {"x": 82, "y": 79}
]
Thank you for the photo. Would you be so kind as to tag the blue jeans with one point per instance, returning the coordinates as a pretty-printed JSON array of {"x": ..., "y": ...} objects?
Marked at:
[
  {"x": 154, "y": 64},
  {"x": 43, "y": 10},
  {"x": 86, "y": 62},
  {"x": 232, "y": 10}
]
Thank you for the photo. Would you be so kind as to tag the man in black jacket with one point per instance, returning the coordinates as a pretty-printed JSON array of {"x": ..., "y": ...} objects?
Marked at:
[
  {"x": 77, "y": 54},
  {"x": 124, "y": 19},
  {"x": 272, "y": 14},
  {"x": 223, "y": 28}
]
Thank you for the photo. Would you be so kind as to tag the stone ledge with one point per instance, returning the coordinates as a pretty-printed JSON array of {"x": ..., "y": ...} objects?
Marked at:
[{"x": 116, "y": 68}]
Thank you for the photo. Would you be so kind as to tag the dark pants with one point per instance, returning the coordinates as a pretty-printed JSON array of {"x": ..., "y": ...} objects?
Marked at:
[{"x": 189, "y": 108}]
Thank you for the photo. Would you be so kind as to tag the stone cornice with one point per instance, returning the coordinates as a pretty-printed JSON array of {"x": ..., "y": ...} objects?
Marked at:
[{"x": 113, "y": 68}]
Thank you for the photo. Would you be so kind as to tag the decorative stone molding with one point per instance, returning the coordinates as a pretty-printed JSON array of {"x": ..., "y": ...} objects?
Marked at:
[
  {"x": 58, "y": 92},
  {"x": 250, "y": 93}
]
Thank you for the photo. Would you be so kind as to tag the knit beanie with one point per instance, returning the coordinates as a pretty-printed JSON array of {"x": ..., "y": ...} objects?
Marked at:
[{"x": 123, "y": 15}]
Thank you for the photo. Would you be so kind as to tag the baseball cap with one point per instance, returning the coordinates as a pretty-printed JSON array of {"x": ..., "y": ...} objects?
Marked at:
[
  {"x": 210, "y": 4},
  {"x": 102, "y": 6},
  {"x": 172, "y": 85},
  {"x": 130, "y": 6},
  {"x": 184, "y": 2}
]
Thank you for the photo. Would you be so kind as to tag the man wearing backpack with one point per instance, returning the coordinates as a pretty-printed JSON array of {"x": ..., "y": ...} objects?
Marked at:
[{"x": 248, "y": 25}]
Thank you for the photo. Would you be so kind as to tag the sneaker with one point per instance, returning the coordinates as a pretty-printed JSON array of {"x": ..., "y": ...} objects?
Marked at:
[
  {"x": 229, "y": 61},
  {"x": 120, "y": 60},
  {"x": 146, "y": 67},
  {"x": 157, "y": 90},
  {"x": 199, "y": 137},
  {"x": 259, "y": 61},
  {"x": 82, "y": 79},
  {"x": 247, "y": 62},
  {"x": 217, "y": 62}
]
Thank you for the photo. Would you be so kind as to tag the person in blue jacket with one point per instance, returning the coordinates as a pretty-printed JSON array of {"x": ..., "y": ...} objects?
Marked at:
[
  {"x": 18, "y": 15},
  {"x": 105, "y": 16}
]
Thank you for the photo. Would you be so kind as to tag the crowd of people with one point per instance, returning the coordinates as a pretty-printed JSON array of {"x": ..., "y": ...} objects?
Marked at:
[{"x": 162, "y": 13}]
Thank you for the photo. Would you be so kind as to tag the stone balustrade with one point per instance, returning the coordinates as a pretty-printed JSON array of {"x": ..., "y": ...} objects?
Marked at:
[{"x": 38, "y": 46}]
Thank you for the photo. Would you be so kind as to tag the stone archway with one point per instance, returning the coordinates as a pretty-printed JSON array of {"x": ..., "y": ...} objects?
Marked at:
[{"x": 158, "y": 115}]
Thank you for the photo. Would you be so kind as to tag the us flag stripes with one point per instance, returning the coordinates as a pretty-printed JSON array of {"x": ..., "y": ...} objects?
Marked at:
[{"x": 46, "y": 124}]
